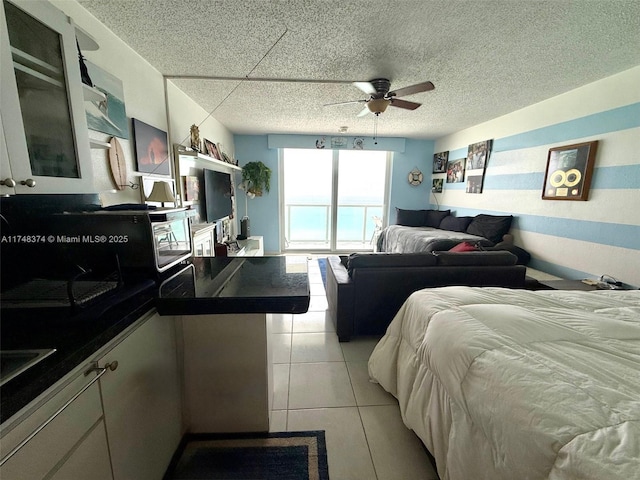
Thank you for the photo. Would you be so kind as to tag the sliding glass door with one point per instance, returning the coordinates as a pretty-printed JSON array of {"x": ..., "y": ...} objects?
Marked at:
[{"x": 332, "y": 199}]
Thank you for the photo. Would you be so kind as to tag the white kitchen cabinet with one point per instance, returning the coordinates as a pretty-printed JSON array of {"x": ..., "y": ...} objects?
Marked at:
[
  {"x": 135, "y": 404},
  {"x": 42, "y": 105},
  {"x": 35, "y": 448},
  {"x": 142, "y": 401}
]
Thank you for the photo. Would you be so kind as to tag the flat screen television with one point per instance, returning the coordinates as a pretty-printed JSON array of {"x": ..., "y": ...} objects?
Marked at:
[{"x": 217, "y": 195}]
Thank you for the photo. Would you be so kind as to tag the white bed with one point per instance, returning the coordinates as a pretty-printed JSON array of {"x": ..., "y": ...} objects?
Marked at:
[{"x": 515, "y": 384}]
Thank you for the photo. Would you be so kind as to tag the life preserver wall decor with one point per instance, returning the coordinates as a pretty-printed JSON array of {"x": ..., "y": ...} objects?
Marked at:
[{"x": 415, "y": 177}]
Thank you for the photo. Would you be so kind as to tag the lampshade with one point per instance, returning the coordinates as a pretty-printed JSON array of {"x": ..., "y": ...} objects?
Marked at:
[
  {"x": 161, "y": 192},
  {"x": 378, "y": 105}
]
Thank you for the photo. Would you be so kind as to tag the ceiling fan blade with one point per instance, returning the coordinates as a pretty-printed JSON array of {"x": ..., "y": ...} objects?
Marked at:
[
  {"x": 366, "y": 87},
  {"x": 343, "y": 103},
  {"x": 410, "y": 90},
  {"x": 363, "y": 112},
  {"x": 396, "y": 102}
]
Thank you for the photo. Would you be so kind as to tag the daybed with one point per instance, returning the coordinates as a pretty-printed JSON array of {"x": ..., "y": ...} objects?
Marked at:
[
  {"x": 430, "y": 230},
  {"x": 365, "y": 291},
  {"x": 514, "y": 384}
]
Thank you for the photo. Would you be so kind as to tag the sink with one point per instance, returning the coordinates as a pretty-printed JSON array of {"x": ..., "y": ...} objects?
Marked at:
[{"x": 14, "y": 362}]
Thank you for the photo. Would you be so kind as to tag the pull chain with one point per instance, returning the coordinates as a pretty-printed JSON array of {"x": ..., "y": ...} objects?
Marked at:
[{"x": 375, "y": 129}]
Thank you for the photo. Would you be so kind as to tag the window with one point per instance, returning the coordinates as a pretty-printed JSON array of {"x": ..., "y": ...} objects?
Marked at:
[{"x": 333, "y": 199}]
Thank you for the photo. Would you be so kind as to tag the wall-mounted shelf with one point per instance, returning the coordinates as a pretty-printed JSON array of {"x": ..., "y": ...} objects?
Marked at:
[
  {"x": 85, "y": 40},
  {"x": 207, "y": 158},
  {"x": 99, "y": 145}
]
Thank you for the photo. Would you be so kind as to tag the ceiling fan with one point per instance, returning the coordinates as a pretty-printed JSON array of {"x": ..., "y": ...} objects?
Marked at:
[{"x": 380, "y": 97}]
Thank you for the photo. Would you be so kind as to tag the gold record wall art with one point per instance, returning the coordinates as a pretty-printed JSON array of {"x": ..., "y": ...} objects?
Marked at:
[{"x": 569, "y": 171}]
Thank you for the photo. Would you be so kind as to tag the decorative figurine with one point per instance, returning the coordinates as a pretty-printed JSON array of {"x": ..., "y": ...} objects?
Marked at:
[{"x": 195, "y": 138}]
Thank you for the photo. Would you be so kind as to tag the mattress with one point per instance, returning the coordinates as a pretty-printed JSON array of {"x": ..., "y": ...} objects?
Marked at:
[
  {"x": 515, "y": 384},
  {"x": 402, "y": 239}
]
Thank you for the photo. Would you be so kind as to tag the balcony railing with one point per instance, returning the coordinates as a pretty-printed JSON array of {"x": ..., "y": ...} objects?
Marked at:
[{"x": 308, "y": 226}]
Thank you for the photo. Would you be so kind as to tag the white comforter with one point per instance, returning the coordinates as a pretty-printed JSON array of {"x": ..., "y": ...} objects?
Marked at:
[{"x": 513, "y": 384}]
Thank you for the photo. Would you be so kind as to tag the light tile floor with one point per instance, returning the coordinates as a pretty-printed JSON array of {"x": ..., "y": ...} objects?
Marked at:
[{"x": 321, "y": 384}]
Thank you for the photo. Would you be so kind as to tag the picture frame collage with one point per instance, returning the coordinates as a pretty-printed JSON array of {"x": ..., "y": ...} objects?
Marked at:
[{"x": 469, "y": 169}]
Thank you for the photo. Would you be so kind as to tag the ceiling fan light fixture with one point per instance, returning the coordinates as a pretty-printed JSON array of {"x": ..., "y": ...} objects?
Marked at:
[{"x": 378, "y": 105}]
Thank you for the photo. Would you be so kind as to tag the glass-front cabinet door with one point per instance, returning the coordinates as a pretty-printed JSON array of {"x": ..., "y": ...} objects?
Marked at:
[{"x": 42, "y": 102}]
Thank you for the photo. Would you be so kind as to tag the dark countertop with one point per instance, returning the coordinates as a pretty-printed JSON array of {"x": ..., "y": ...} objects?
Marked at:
[
  {"x": 236, "y": 285},
  {"x": 74, "y": 336},
  {"x": 209, "y": 285}
]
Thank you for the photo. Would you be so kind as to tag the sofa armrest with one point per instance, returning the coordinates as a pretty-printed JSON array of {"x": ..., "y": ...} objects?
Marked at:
[{"x": 340, "y": 298}]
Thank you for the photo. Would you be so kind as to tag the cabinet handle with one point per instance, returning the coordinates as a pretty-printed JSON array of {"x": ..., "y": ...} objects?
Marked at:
[
  {"x": 8, "y": 182},
  {"x": 29, "y": 182},
  {"x": 100, "y": 372}
]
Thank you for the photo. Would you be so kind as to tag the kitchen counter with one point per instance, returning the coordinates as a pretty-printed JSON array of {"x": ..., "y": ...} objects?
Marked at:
[
  {"x": 236, "y": 285},
  {"x": 210, "y": 285},
  {"x": 75, "y": 336}
]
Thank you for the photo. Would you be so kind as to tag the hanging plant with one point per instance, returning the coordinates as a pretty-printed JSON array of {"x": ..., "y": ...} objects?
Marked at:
[{"x": 256, "y": 177}]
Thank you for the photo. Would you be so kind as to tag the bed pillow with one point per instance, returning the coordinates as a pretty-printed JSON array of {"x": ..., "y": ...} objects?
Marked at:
[
  {"x": 410, "y": 218},
  {"x": 464, "y": 247},
  {"x": 434, "y": 217},
  {"x": 455, "y": 224},
  {"x": 491, "y": 227}
]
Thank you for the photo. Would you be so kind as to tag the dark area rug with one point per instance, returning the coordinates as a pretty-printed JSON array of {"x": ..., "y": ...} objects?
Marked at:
[
  {"x": 268, "y": 456},
  {"x": 323, "y": 270}
]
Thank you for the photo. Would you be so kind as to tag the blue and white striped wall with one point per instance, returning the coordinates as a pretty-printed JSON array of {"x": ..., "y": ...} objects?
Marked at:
[{"x": 571, "y": 239}]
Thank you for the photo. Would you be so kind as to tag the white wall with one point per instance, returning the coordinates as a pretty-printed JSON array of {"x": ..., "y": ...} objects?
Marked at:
[
  {"x": 571, "y": 239},
  {"x": 144, "y": 95}
]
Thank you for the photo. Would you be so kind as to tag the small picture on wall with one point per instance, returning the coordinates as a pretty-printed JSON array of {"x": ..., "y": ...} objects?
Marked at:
[
  {"x": 474, "y": 183},
  {"x": 436, "y": 185},
  {"x": 191, "y": 188},
  {"x": 455, "y": 170},
  {"x": 152, "y": 150},
  {"x": 440, "y": 162}
]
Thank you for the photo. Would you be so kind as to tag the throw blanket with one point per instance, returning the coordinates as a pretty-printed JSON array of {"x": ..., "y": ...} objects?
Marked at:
[
  {"x": 401, "y": 239},
  {"x": 512, "y": 384}
]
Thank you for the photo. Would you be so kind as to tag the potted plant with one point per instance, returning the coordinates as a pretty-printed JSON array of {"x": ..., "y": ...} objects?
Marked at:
[{"x": 256, "y": 177}]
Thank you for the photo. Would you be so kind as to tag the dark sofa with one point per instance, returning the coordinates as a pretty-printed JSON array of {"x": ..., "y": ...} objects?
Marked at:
[{"x": 365, "y": 291}]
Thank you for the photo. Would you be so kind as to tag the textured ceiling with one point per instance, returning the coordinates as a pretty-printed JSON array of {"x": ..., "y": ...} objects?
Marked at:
[{"x": 486, "y": 58}]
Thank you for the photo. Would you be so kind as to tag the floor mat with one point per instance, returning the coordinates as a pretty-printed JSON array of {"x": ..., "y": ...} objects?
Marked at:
[{"x": 281, "y": 456}]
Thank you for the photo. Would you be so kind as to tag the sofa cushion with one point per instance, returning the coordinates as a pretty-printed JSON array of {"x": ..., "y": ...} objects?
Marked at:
[
  {"x": 410, "y": 218},
  {"x": 455, "y": 224},
  {"x": 475, "y": 258},
  {"x": 464, "y": 247},
  {"x": 420, "y": 218},
  {"x": 369, "y": 260},
  {"x": 434, "y": 217},
  {"x": 522, "y": 255},
  {"x": 491, "y": 227}
]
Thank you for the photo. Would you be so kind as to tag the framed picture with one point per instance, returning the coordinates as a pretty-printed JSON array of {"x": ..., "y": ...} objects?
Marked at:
[
  {"x": 436, "y": 185},
  {"x": 211, "y": 149},
  {"x": 455, "y": 170},
  {"x": 191, "y": 188},
  {"x": 569, "y": 171},
  {"x": 152, "y": 149},
  {"x": 108, "y": 114},
  {"x": 477, "y": 157},
  {"x": 440, "y": 162}
]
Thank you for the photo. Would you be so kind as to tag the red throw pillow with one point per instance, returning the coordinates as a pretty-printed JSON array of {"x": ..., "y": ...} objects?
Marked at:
[{"x": 464, "y": 247}]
